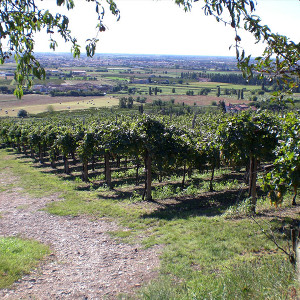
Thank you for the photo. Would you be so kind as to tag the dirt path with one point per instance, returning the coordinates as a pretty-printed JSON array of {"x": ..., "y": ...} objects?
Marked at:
[{"x": 86, "y": 262}]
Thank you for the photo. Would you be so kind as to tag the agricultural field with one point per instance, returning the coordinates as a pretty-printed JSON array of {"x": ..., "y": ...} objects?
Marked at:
[{"x": 35, "y": 104}]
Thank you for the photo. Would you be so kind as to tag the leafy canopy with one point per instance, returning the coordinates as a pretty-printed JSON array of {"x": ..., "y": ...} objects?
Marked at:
[{"x": 21, "y": 19}]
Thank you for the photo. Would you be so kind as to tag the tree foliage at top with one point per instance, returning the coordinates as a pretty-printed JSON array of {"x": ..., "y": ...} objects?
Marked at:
[
  {"x": 21, "y": 19},
  {"x": 281, "y": 55}
]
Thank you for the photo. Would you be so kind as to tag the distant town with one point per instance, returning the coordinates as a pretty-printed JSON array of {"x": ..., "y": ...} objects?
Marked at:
[{"x": 105, "y": 79}]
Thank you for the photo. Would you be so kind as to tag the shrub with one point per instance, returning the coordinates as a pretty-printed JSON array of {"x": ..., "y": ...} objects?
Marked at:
[
  {"x": 22, "y": 113},
  {"x": 50, "y": 109}
]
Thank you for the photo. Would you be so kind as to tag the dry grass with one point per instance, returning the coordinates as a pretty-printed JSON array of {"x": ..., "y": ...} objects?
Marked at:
[{"x": 34, "y": 104}]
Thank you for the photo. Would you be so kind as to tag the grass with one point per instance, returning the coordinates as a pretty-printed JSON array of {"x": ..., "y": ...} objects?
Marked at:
[
  {"x": 5, "y": 187},
  {"x": 89, "y": 102},
  {"x": 206, "y": 253},
  {"x": 249, "y": 280},
  {"x": 18, "y": 257},
  {"x": 117, "y": 78},
  {"x": 196, "y": 86}
]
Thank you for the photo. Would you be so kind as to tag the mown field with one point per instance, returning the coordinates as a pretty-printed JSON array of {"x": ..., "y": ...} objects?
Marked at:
[{"x": 35, "y": 104}]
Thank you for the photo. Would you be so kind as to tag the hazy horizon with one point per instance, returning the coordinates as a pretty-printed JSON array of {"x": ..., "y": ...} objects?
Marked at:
[{"x": 138, "y": 54}]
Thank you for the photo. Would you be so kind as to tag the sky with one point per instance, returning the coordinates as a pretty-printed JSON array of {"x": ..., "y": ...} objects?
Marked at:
[{"x": 161, "y": 27}]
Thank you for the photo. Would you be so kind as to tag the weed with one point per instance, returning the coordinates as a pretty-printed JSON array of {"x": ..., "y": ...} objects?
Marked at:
[
  {"x": 78, "y": 180},
  {"x": 135, "y": 197},
  {"x": 238, "y": 210}
]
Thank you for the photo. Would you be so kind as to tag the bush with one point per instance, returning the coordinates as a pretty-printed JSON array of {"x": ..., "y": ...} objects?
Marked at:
[
  {"x": 22, "y": 113},
  {"x": 50, "y": 109},
  {"x": 190, "y": 93}
]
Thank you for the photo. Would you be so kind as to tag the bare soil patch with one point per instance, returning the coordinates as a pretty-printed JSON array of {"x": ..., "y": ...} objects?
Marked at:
[{"x": 86, "y": 262}]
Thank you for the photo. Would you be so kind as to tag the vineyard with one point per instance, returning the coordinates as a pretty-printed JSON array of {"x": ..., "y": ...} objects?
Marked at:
[
  {"x": 166, "y": 146},
  {"x": 170, "y": 171}
]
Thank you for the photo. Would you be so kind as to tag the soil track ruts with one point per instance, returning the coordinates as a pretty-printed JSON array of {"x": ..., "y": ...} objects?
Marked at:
[{"x": 86, "y": 262}]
